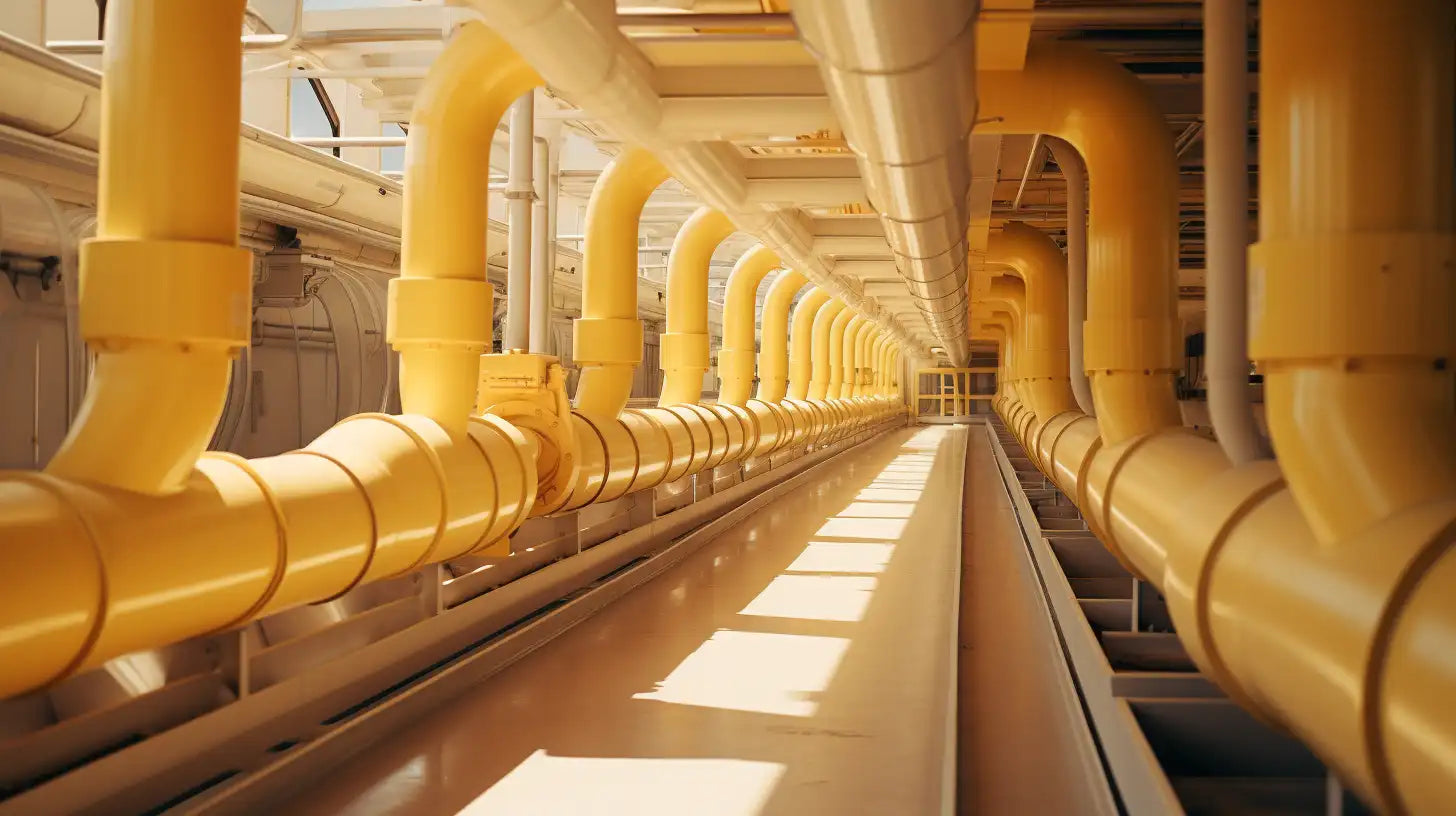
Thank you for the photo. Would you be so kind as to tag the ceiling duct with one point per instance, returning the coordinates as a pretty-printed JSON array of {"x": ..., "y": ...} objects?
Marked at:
[{"x": 901, "y": 78}]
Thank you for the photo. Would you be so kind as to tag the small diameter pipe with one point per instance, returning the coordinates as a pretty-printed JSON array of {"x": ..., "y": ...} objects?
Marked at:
[
  {"x": 542, "y": 245},
  {"x": 1074, "y": 170},
  {"x": 519, "y": 194},
  {"x": 1226, "y": 188}
]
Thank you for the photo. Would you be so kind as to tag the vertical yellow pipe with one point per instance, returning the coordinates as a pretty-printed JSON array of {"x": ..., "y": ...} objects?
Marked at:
[
  {"x": 801, "y": 349},
  {"x": 1355, "y": 329},
  {"x": 440, "y": 305},
  {"x": 773, "y": 355},
  {"x": 735, "y": 358},
  {"x": 825, "y": 347},
  {"x": 607, "y": 341},
  {"x": 842, "y": 334},
  {"x": 872, "y": 385},
  {"x": 165, "y": 289},
  {"x": 686, "y": 357},
  {"x": 1035, "y": 258},
  {"x": 855, "y": 364},
  {"x": 1132, "y": 331}
]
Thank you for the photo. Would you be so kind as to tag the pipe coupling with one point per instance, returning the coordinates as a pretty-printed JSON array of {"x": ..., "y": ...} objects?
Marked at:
[
  {"x": 446, "y": 312},
  {"x": 1131, "y": 344},
  {"x": 607, "y": 341},
  {"x": 1387, "y": 294},
  {"x": 186, "y": 293},
  {"x": 682, "y": 350}
]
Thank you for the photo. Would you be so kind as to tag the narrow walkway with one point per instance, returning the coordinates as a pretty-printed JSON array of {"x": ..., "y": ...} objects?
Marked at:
[
  {"x": 1017, "y": 751},
  {"x": 801, "y": 663}
]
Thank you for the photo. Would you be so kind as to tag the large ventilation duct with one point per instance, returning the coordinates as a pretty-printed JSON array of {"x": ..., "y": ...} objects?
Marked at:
[{"x": 901, "y": 79}]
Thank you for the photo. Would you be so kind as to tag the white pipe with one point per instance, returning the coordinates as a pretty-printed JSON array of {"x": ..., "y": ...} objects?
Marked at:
[
  {"x": 1226, "y": 188},
  {"x": 1074, "y": 170},
  {"x": 349, "y": 141},
  {"x": 576, "y": 47},
  {"x": 519, "y": 192},
  {"x": 901, "y": 79},
  {"x": 541, "y": 245}
]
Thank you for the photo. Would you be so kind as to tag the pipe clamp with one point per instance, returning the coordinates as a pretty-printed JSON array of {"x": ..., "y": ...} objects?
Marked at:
[
  {"x": 1353, "y": 295},
  {"x": 183, "y": 292},
  {"x": 607, "y": 341},
  {"x": 1131, "y": 344},
  {"x": 440, "y": 311}
]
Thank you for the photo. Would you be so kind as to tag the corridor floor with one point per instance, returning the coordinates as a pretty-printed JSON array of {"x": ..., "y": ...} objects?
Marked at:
[{"x": 801, "y": 663}]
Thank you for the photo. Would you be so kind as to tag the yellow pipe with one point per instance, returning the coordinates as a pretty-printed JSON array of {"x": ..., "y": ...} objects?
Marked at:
[
  {"x": 841, "y": 350},
  {"x": 686, "y": 357},
  {"x": 773, "y": 356},
  {"x": 1035, "y": 258},
  {"x": 873, "y": 383},
  {"x": 824, "y": 346},
  {"x": 857, "y": 368},
  {"x": 440, "y": 306},
  {"x": 109, "y": 571},
  {"x": 1336, "y": 627},
  {"x": 1132, "y": 330},
  {"x": 801, "y": 349},
  {"x": 1354, "y": 232},
  {"x": 165, "y": 287},
  {"x": 607, "y": 339},
  {"x": 735, "y": 358}
]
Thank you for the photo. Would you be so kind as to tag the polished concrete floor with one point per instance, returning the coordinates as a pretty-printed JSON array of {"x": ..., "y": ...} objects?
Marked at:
[{"x": 802, "y": 663}]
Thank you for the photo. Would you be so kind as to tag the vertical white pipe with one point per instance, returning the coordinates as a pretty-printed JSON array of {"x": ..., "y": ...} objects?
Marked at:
[
  {"x": 1226, "y": 180},
  {"x": 542, "y": 242},
  {"x": 1074, "y": 170},
  {"x": 519, "y": 192}
]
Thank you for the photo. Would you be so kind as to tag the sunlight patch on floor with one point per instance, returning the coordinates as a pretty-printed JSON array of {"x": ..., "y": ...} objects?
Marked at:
[
  {"x": 863, "y": 558},
  {"x": 640, "y": 786},
  {"x": 868, "y": 529},
  {"x": 814, "y": 597},
  {"x": 899, "y": 510},
  {"x": 766, "y": 672}
]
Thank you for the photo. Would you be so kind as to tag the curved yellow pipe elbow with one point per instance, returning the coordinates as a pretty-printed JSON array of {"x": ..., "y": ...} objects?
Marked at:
[
  {"x": 165, "y": 288},
  {"x": 440, "y": 306},
  {"x": 686, "y": 356},
  {"x": 842, "y": 335},
  {"x": 607, "y": 338},
  {"x": 801, "y": 347},
  {"x": 773, "y": 355},
  {"x": 1037, "y": 260},
  {"x": 1132, "y": 331},
  {"x": 855, "y": 369},
  {"x": 824, "y": 345},
  {"x": 736, "y": 357}
]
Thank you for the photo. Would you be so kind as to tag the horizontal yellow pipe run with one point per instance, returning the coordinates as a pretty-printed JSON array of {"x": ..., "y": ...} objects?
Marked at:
[
  {"x": 686, "y": 357},
  {"x": 607, "y": 339}
]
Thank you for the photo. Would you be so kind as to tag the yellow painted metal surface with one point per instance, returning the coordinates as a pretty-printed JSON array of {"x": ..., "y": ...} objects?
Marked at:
[
  {"x": 607, "y": 338},
  {"x": 773, "y": 354},
  {"x": 685, "y": 353},
  {"x": 171, "y": 284},
  {"x": 801, "y": 347},
  {"x": 740, "y": 300},
  {"x": 440, "y": 307}
]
